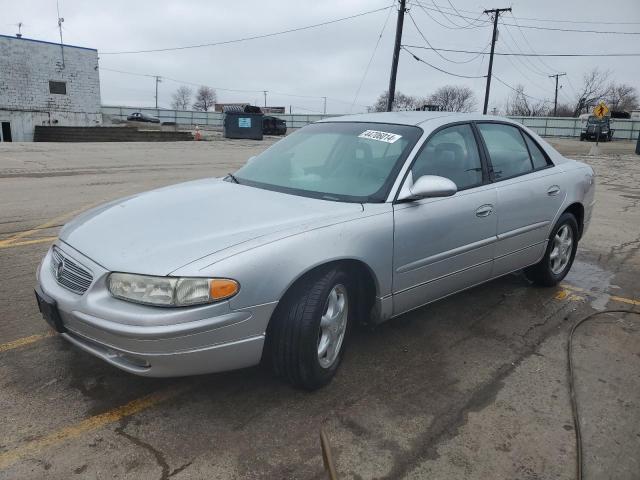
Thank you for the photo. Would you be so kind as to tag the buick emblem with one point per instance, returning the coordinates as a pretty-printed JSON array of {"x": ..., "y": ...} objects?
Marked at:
[{"x": 59, "y": 269}]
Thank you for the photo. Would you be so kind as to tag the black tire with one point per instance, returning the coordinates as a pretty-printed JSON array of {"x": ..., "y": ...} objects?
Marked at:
[
  {"x": 541, "y": 273},
  {"x": 294, "y": 330}
]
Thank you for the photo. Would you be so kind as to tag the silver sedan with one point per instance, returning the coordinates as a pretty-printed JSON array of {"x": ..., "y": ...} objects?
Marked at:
[{"x": 353, "y": 219}]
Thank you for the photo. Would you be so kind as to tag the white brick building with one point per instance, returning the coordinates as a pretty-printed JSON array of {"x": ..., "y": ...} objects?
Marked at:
[{"x": 43, "y": 83}]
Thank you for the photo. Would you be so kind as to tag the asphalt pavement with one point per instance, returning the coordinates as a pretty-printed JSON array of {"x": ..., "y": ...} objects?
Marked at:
[{"x": 473, "y": 386}]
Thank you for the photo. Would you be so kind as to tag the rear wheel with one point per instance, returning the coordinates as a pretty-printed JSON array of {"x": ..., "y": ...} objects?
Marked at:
[
  {"x": 307, "y": 334},
  {"x": 559, "y": 255}
]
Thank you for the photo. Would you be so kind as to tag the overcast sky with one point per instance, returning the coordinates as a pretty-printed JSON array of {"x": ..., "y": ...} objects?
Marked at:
[{"x": 329, "y": 60}]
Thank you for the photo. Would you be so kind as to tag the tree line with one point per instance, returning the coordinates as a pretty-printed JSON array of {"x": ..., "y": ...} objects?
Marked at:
[
  {"x": 595, "y": 87},
  {"x": 450, "y": 98}
]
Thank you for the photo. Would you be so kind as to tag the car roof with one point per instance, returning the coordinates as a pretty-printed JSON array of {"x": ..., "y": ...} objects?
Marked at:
[{"x": 415, "y": 118}]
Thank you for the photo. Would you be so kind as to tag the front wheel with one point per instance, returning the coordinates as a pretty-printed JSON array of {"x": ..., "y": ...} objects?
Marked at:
[
  {"x": 307, "y": 335},
  {"x": 559, "y": 255}
]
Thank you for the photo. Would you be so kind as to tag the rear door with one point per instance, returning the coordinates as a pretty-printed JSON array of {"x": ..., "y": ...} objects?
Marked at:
[
  {"x": 443, "y": 245},
  {"x": 529, "y": 194}
]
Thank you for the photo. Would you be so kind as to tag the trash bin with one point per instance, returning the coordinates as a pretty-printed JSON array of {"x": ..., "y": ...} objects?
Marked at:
[{"x": 242, "y": 123}]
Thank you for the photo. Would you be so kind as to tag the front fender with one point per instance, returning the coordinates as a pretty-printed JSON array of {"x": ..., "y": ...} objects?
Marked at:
[{"x": 265, "y": 272}]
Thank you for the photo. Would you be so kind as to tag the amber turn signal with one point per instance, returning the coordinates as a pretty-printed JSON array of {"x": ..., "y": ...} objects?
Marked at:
[{"x": 221, "y": 288}]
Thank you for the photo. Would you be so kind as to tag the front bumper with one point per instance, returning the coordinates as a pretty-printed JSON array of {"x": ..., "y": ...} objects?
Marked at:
[{"x": 155, "y": 341}]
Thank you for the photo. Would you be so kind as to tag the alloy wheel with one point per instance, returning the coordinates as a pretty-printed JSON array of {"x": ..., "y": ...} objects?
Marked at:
[
  {"x": 333, "y": 325},
  {"x": 562, "y": 249}
]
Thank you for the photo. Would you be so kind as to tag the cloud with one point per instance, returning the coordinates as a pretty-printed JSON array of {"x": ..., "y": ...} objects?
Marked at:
[{"x": 326, "y": 61}]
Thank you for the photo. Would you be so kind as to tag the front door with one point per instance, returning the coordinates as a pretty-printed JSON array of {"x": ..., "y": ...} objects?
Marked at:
[{"x": 443, "y": 245}]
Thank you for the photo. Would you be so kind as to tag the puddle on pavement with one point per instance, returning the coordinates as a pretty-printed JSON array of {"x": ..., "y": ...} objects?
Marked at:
[{"x": 594, "y": 280}]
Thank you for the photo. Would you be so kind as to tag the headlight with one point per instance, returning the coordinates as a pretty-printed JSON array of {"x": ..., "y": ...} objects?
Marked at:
[{"x": 170, "y": 291}]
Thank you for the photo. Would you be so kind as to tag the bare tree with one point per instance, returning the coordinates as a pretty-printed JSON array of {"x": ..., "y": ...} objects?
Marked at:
[
  {"x": 622, "y": 97},
  {"x": 205, "y": 99},
  {"x": 451, "y": 98},
  {"x": 519, "y": 103},
  {"x": 564, "y": 110},
  {"x": 400, "y": 102},
  {"x": 594, "y": 88},
  {"x": 181, "y": 98}
]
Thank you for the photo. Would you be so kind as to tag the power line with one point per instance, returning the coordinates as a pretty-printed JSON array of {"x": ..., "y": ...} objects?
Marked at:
[
  {"x": 245, "y": 39},
  {"x": 439, "y": 54},
  {"x": 437, "y": 68},
  {"x": 553, "y": 20},
  {"x": 520, "y": 92},
  {"x": 375, "y": 49},
  {"x": 194, "y": 84},
  {"x": 178, "y": 81},
  {"x": 530, "y": 65},
  {"x": 455, "y": 10},
  {"x": 440, "y": 23},
  {"x": 444, "y": 15},
  {"x": 535, "y": 27},
  {"x": 529, "y": 54},
  {"x": 598, "y": 22},
  {"x": 546, "y": 65},
  {"x": 573, "y": 30}
]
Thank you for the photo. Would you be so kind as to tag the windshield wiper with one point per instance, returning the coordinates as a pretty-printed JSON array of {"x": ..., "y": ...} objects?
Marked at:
[{"x": 235, "y": 180}]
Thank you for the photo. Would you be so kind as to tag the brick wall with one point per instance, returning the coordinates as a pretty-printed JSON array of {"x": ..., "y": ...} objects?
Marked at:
[{"x": 27, "y": 66}]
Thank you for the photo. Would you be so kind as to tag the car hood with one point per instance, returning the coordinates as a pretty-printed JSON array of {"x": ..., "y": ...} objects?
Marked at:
[{"x": 162, "y": 230}]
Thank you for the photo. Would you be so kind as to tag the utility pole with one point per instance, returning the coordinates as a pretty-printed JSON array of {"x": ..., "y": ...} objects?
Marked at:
[
  {"x": 396, "y": 55},
  {"x": 265, "y": 97},
  {"x": 555, "y": 102},
  {"x": 496, "y": 14},
  {"x": 324, "y": 110},
  {"x": 158, "y": 80}
]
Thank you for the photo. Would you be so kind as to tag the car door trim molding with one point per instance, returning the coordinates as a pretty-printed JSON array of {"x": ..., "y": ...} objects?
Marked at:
[
  {"x": 522, "y": 249},
  {"x": 521, "y": 230},
  {"x": 423, "y": 262},
  {"x": 470, "y": 267}
]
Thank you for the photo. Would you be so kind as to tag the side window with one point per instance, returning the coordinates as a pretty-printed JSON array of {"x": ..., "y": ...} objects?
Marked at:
[
  {"x": 451, "y": 153},
  {"x": 507, "y": 150},
  {"x": 537, "y": 157}
]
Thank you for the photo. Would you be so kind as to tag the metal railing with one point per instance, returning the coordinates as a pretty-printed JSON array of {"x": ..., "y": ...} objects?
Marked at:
[{"x": 544, "y": 126}]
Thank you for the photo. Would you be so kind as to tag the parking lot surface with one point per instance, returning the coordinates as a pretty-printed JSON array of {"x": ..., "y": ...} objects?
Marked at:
[{"x": 473, "y": 386}]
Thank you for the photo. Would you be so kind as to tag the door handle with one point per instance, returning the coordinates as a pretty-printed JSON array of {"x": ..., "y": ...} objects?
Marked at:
[
  {"x": 553, "y": 190},
  {"x": 484, "y": 210}
]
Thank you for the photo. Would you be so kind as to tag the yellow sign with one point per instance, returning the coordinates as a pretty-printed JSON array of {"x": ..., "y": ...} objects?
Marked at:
[{"x": 600, "y": 110}]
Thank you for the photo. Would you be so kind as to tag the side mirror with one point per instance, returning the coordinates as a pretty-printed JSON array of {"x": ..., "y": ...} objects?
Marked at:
[{"x": 427, "y": 186}]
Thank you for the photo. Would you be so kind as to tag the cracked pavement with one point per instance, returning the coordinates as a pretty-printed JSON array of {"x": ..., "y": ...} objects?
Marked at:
[{"x": 473, "y": 386}]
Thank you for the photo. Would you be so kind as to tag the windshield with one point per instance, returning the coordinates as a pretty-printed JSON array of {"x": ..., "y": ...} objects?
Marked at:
[{"x": 346, "y": 161}]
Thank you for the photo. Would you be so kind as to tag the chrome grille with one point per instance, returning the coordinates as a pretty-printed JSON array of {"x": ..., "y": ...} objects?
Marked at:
[{"x": 69, "y": 273}]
